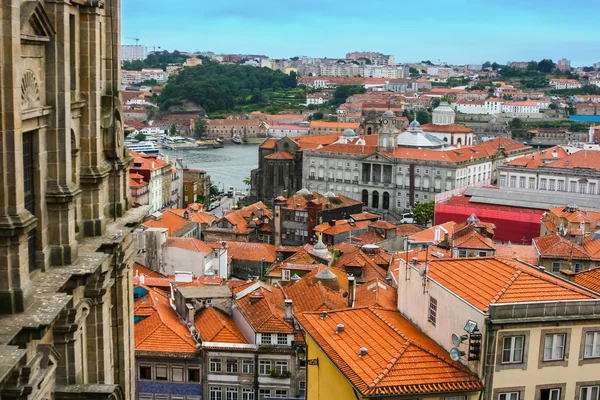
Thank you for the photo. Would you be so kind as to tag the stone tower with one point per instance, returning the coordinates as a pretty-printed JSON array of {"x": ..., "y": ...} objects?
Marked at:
[
  {"x": 65, "y": 244},
  {"x": 387, "y": 132}
]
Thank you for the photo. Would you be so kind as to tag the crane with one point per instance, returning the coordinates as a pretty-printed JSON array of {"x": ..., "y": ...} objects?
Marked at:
[{"x": 137, "y": 40}]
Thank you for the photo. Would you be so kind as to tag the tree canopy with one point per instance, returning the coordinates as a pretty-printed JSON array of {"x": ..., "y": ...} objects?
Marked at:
[
  {"x": 223, "y": 87},
  {"x": 156, "y": 60},
  {"x": 423, "y": 212}
]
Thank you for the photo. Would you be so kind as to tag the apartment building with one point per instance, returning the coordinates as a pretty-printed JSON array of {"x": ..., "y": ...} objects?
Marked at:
[{"x": 526, "y": 333}]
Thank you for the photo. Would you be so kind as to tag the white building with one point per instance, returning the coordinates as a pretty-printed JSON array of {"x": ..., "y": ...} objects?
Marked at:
[
  {"x": 131, "y": 52},
  {"x": 407, "y": 168},
  {"x": 521, "y": 107},
  {"x": 565, "y": 84},
  {"x": 470, "y": 107},
  {"x": 279, "y": 131},
  {"x": 493, "y": 106},
  {"x": 146, "y": 74}
]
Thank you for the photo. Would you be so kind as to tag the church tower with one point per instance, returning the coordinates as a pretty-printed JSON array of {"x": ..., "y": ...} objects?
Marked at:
[{"x": 387, "y": 132}]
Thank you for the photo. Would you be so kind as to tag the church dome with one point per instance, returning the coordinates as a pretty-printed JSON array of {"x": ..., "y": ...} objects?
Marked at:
[
  {"x": 349, "y": 133},
  {"x": 389, "y": 113},
  {"x": 415, "y": 124},
  {"x": 443, "y": 114}
]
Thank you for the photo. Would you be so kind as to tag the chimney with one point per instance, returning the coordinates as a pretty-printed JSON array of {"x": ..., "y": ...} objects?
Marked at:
[
  {"x": 324, "y": 315},
  {"x": 190, "y": 309},
  {"x": 351, "y": 291},
  {"x": 340, "y": 329},
  {"x": 142, "y": 279},
  {"x": 288, "y": 312}
]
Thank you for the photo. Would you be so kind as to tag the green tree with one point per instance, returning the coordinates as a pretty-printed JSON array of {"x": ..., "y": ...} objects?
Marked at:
[
  {"x": 516, "y": 123},
  {"x": 435, "y": 103},
  {"x": 546, "y": 66},
  {"x": 214, "y": 190},
  {"x": 532, "y": 66},
  {"x": 553, "y": 106},
  {"x": 173, "y": 130},
  {"x": 247, "y": 181},
  {"x": 423, "y": 212},
  {"x": 200, "y": 127},
  {"x": 140, "y": 137},
  {"x": 495, "y": 66},
  {"x": 318, "y": 115}
]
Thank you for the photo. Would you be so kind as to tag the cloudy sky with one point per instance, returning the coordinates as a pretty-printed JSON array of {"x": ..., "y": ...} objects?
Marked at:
[{"x": 454, "y": 31}]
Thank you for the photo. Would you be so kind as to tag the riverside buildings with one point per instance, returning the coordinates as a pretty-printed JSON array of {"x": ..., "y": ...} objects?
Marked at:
[{"x": 65, "y": 229}]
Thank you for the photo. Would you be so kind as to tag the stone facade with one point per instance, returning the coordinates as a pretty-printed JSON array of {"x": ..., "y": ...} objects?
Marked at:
[{"x": 65, "y": 244}]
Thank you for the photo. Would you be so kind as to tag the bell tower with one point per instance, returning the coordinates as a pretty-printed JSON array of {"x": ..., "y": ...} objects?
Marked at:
[{"x": 387, "y": 132}]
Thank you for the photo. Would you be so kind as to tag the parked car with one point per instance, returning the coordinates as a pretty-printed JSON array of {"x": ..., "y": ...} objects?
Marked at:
[{"x": 407, "y": 218}]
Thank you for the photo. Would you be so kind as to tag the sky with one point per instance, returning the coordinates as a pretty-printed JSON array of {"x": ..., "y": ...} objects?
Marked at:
[{"x": 452, "y": 31}]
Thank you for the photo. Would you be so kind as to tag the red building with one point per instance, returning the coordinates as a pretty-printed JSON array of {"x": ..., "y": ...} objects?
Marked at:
[{"x": 515, "y": 224}]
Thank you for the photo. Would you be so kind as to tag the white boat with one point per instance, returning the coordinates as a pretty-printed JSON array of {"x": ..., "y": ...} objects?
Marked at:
[{"x": 142, "y": 147}]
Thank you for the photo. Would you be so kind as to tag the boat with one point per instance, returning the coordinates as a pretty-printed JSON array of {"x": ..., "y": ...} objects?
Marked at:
[
  {"x": 236, "y": 139},
  {"x": 145, "y": 147},
  {"x": 219, "y": 140}
]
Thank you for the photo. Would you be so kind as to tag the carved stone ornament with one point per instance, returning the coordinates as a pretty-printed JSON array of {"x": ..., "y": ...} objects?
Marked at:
[{"x": 30, "y": 91}]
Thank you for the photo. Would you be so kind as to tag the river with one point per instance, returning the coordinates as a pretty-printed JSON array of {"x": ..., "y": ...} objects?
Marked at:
[{"x": 227, "y": 166}]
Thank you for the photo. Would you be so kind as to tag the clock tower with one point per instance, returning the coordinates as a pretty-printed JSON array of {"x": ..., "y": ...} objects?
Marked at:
[{"x": 387, "y": 132}]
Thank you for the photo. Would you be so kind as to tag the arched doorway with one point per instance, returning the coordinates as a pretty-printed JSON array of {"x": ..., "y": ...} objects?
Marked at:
[
  {"x": 369, "y": 130},
  {"x": 446, "y": 139},
  {"x": 459, "y": 141},
  {"x": 386, "y": 201},
  {"x": 365, "y": 198},
  {"x": 375, "y": 199}
]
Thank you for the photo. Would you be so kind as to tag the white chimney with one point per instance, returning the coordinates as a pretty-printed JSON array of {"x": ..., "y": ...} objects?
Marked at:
[
  {"x": 142, "y": 279},
  {"x": 288, "y": 311}
]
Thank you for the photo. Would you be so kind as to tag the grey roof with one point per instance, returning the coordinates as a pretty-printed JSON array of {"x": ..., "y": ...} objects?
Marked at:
[
  {"x": 326, "y": 274},
  {"x": 525, "y": 198},
  {"x": 418, "y": 138},
  {"x": 204, "y": 292},
  {"x": 388, "y": 113}
]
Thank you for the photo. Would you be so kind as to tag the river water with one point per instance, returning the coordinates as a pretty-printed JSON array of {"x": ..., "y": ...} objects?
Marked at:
[{"x": 227, "y": 166}]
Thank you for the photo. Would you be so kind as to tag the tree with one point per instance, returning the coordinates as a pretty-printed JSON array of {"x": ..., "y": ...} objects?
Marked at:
[
  {"x": 173, "y": 130},
  {"x": 200, "y": 127},
  {"x": 140, "y": 137},
  {"x": 435, "y": 103},
  {"x": 532, "y": 66},
  {"x": 247, "y": 181},
  {"x": 553, "y": 106},
  {"x": 214, "y": 190},
  {"x": 486, "y": 65},
  {"x": 546, "y": 66},
  {"x": 423, "y": 212},
  {"x": 317, "y": 115},
  {"x": 516, "y": 123},
  {"x": 495, "y": 66}
]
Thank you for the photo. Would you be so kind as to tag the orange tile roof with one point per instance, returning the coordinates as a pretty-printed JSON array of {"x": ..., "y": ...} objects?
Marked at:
[
  {"x": 556, "y": 246},
  {"x": 189, "y": 244},
  {"x": 334, "y": 125},
  {"x": 579, "y": 215},
  {"x": 589, "y": 279},
  {"x": 407, "y": 229},
  {"x": 365, "y": 215},
  {"x": 215, "y": 326},
  {"x": 471, "y": 239},
  {"x": 147, "y": 163},
  {"x": 170, "y": 220},
  {"x": 376, "y": 293},
  {"x": 581, "y": 159},
  {"x": 161, "y": 331},
  {"x": 248, "y": 251},
  {"x": 525, "y": 253},
  {"x": 309, "y": 294},
  {"x": 484, "y": 281},
  {"x": 400, "y": 360},
  {"x": 300, "y": 201},
  {"x": 348, "y": 149},
  {"x": 263, "y": 307},
  {"x": 269, "y": 144},
  {"x": 382, "y": 225},
  {"x": 280, "y": 155},
  {"x": 241, "y": 218},
  {"x": 341, "y": 226},
  {"x": 592, "y": 246},
  {"x": 428, "y": 235},
  {"x": 369, "y": 237},
  {"x": 345, "y": 247},
  {"x": 358, "y": 259},
  {"x": 195, "y": 216}
]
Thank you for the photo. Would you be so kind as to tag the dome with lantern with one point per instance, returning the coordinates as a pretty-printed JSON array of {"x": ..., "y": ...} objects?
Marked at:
[{"x": 443, "y": 114}]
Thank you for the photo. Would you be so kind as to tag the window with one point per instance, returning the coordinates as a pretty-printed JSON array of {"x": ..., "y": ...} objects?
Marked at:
[
  {"x": 589, "y": 393},
  {"x": 509, "y": 396},
  {"x": 264, "y": 393},
  {"x": 281, "y": 367},
  {"x": 215, "y": 365},
  {"x": 554, "y": 347},
  {"x": 512, "y": 349},
  {"x": 462, "y": 253},
  {"x": 231, "y": 393},
  {"x": 247, "y": 394},
  {"x": 280, "y": 393},
  {"x": 592, "y": 345},
  {"x": 177, "y": 374},
  {"x": 145, "y": 372},
  {"x": 550, "y": 394},
  {"x": 185, "y": 187},
  {"x": 285, "y": 275},
  {"x": 282, "y": 338},
  {"x": 161, "y": 373},
  {"x": 264, "y": 367},
  {"x": 572, "y": 186},
  {"x": 301, "y": 385},
  {"x": 582, "y": 187},
  {"x": 432, "y": 310},
  {"x": 232, "y": 366},
  {"x": 561, "y": 186},
  {"x": 193, "y": 374},
  {"x": 522, "y": 182},
  {"x": 556, "y": 267},
  {"x": 552, "y": 185},
  {"x": 513, "y": 181},
  {"x": 265, "y": 338},
  {"x": 247, "y": 366},
  {"x": 29, "y": 194},
  {"x": 502, "y": 181},
  {"x": 543, "y": 184},
  {"x": 482, "y": 253},
  {"x": 215, "y": 393},
  {"x": 592, "y": 188},
  {"x": 578, "y": 267}
]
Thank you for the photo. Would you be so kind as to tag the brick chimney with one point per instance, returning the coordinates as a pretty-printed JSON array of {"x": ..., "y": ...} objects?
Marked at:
[{"x": 351, "y": 291}]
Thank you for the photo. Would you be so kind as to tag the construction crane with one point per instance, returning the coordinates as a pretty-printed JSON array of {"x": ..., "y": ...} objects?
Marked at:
[{"x": 137, "y": 40}]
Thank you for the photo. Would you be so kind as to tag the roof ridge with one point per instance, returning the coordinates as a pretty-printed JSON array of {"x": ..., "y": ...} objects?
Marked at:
[
  {"x": 392, "y": 361},
  {"x": 502, "y": 291}
]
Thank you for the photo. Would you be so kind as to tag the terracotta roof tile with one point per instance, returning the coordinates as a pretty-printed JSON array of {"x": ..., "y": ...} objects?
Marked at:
[
  {"x": 341, "y": 226},
  {"x": 160, "y": 331},
  {"x": 376, "y": 293},
  {"x": 189, "y": 244},
  {"x": 215, "y": 326},
  {"x": 369, "y": 237},
  {"x": 169, "y": 220},
  {"x": 195, "y": 216},
  {"x": 358, "y": 259},
  {"x": 556, "y": 246},
  {"x": 525, "y": 253},
  {"x": 310, "y": 294},
  {"x": 280, "y": 155},
  {"x": 401, "y": 360},
  {"x": 248, "y": 251},
  {"x": 484, "y": 281},
  {"x": 365, "y": 215},
  {"x": 263, "y": 307},
  {"x": 589, "y": 279},
  {"x": 428, "y": 235},
  {"x": 407, "y": 229}
]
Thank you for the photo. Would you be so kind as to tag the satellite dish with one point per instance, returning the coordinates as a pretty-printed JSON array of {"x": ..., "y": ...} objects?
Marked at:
[
  {"x": 456, "y": 354},
  {"x": 423, "y": 270},
  {"x": 457, "y": 340}
]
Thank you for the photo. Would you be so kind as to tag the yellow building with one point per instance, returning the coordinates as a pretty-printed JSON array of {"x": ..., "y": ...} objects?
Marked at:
[{"x": 363, "y": 353}]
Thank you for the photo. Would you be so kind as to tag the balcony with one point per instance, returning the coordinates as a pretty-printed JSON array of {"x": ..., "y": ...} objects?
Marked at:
[
  {"x": 320, "y": 178},
  {"x": 339, "y": 180},
  {"x": 347, "y": 181},
  {"x": 355, "y": 182}
]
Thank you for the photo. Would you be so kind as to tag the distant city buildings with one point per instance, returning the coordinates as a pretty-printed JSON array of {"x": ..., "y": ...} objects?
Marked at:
[
  {"x": 133, "y": 52},
  {"x": 563, "y": 64},
  {"x": 146, "y": 74}
]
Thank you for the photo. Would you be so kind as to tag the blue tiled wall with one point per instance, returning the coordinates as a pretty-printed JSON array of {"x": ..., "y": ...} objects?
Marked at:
[{"x": 169, "y": 388}]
